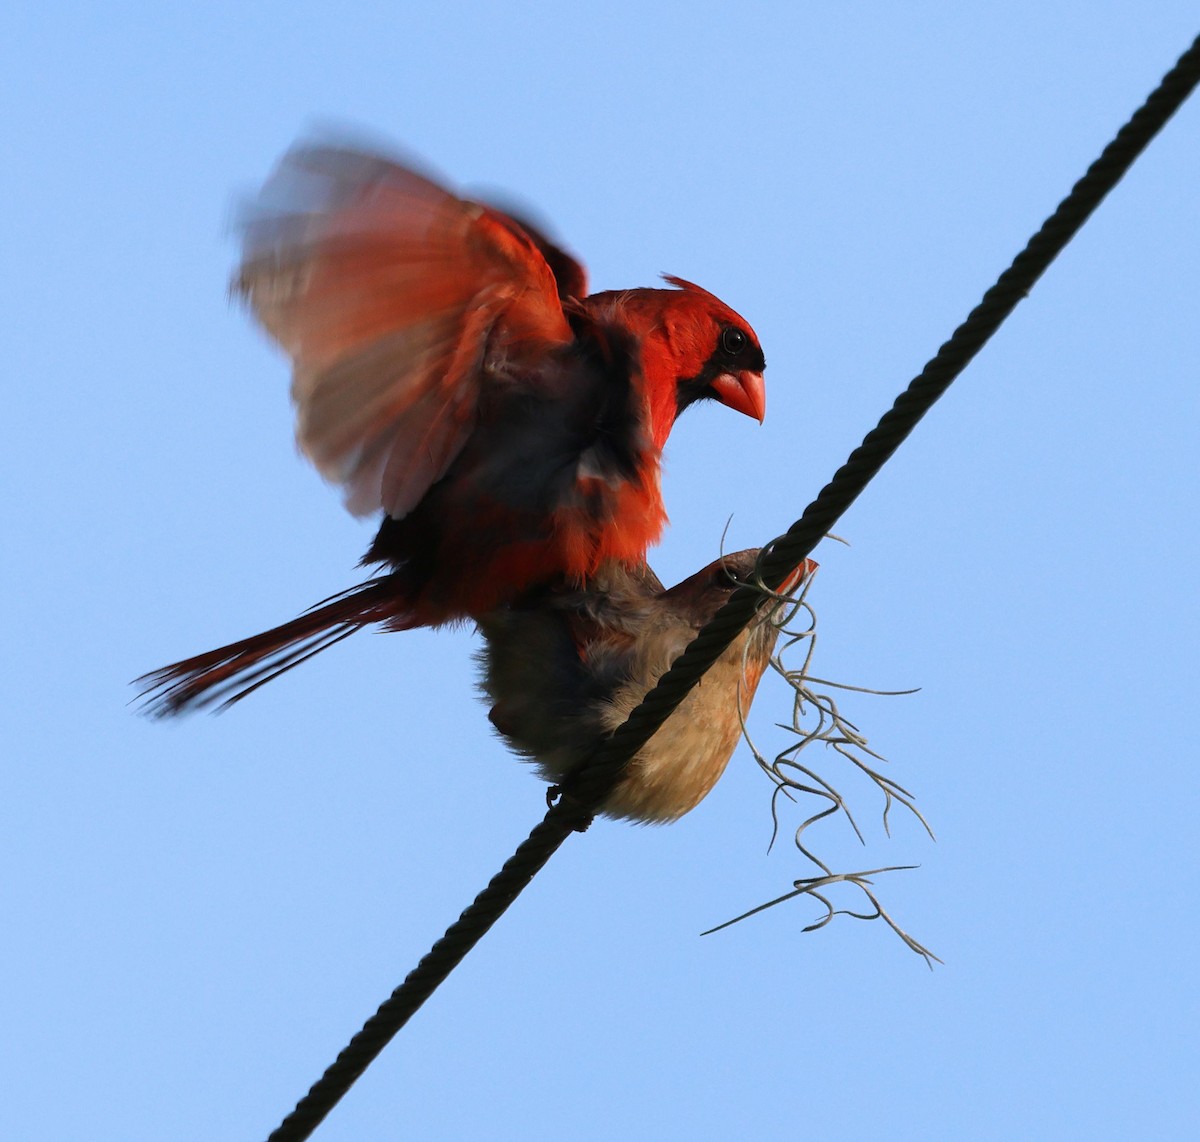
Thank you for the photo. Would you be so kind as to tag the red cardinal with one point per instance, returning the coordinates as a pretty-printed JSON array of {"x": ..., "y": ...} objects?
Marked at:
[
  {"x": 564, "y": 668},
  {"x": 449, "y": 370}
]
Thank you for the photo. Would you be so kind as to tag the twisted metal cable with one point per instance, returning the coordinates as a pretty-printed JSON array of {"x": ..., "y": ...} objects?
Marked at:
[{"x": 589, "y": 786}]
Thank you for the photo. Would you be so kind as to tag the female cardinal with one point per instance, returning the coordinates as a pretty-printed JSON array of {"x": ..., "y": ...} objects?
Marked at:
[
  {"x": 564, "y": 668},
  {"x": 450, "y": 370}
]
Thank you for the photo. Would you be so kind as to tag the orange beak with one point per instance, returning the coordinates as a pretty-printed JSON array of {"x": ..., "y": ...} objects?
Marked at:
[
  {"x": 808, "y": 567},
  {"x": 743, "y": 392}
]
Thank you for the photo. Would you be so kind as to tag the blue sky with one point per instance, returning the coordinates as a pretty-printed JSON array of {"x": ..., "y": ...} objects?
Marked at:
[{"x": 197, "y": 916}]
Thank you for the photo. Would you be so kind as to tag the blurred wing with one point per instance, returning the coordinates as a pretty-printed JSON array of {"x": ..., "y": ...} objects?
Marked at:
[
  {"x": 570, "y": 277},
  {"x": 390, "y": 294}
]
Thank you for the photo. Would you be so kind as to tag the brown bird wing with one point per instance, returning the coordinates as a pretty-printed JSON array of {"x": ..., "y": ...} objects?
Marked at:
[{"x": 397, "y": 303}]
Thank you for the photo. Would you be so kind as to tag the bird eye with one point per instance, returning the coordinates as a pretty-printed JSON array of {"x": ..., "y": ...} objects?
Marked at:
[{"x": 733, "y": 341}]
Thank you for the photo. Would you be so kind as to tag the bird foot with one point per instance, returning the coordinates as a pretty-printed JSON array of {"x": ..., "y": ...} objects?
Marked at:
[{"x": 555, "y": 795}]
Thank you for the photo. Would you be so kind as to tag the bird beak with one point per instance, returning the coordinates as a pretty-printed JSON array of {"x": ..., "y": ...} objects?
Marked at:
[
  {"x": 808, "y": 567},
  {"x": 743, "y": 392}
]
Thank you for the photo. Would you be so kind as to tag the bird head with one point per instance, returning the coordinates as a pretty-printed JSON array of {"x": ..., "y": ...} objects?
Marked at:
[
  {"x": 703, "y": 594},
  {"x": 717, "y": 355},
  {"x": 693, "y": 348}
]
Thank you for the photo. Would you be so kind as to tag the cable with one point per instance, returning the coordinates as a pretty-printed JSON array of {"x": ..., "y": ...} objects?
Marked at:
[{"x": 587, "y": 788}]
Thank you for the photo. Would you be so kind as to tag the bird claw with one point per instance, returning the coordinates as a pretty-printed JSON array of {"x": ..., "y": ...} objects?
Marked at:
[{"x": 556, "y": 795}]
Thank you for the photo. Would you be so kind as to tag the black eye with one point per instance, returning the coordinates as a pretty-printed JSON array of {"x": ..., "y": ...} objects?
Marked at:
[
  {"x": 733, "y": 341},
  {"x": 727, "y": 577}
]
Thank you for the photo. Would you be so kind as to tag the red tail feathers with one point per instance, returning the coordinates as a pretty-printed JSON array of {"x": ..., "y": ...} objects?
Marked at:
[{"x": 227, "y": 674}]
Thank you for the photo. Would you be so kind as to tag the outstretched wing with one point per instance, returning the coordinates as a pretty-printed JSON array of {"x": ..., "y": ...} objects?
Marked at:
[{"x": 393, "y": 298}]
